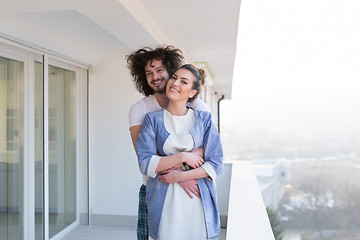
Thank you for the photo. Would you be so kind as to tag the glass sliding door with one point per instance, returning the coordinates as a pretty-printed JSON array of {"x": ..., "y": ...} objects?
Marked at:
[
  {"x": 39, "y": 150},
  {"x": 11, "y": 149},
  {"x": 42, "y": 98},
  {"x": 62, "y": 148}
]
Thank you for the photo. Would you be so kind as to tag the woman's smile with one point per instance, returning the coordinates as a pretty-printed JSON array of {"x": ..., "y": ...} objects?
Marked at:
[{"x": 172, "y": 89}]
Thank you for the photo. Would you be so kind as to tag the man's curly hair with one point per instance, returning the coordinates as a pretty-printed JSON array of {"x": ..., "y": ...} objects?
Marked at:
[{"x": 171, "y": 57}]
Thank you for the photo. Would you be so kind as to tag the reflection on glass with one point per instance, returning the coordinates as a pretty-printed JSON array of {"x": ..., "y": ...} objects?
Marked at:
[
  {"x": 11, "y": 149},
  {"x": 62, "y": 167},
  {"x": 39, "y": 157}
]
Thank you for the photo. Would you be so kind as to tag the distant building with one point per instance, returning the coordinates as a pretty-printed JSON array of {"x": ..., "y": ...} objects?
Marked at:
[{"x": 272, "y": 177}]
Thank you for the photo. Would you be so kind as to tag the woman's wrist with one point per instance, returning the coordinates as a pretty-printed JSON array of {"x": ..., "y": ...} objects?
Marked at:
[{"x": 182, "y": 176}]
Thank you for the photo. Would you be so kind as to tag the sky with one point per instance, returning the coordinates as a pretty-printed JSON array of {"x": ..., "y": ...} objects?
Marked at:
[{"x": 297, "y": 68}]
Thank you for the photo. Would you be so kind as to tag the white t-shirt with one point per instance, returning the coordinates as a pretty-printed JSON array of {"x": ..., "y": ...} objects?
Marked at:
[{"x": 150, "y": 104}]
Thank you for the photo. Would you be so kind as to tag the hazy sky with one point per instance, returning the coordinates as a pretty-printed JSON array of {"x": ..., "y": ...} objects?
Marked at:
[{"x": 297, "y": 68}]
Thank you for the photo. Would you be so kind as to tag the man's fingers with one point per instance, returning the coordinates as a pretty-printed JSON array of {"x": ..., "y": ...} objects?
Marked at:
[
  {"x": 161, "y": 178},
  {"x": 195, "y": 191},
  {"x": 189, "y": 193}
]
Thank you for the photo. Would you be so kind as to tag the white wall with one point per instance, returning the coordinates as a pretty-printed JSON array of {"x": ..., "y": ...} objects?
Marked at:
[
  {"x": 82, "y": 144},
  {"x": 114, "y": 176}
]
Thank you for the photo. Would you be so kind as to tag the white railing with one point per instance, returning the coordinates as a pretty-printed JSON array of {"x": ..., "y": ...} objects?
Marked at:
[
  {"x": 241, "y": 206},
  {"x": 246, "y": 213}
]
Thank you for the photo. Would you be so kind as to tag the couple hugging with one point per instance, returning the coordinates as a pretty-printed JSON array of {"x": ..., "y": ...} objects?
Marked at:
[{"x": 178, "y": 148}]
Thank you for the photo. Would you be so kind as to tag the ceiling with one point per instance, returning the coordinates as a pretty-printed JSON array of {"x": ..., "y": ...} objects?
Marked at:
[{"x": 91, "y": 30}]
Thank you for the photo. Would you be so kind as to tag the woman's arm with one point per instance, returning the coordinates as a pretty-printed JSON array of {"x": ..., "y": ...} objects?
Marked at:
[
  {"x": 193, "y": 159},
  {"x": 194, "y": 154},
  {"x": 190, "y": 186},
  {"x": 171, "y": 176},
  {"x": 146, "y": 148},
  {"x": 149, "y": 162},
  {"x": 176, "y": 160},
  {"x": 213, "y": 151},
  {"x": 213, "y": 156}
]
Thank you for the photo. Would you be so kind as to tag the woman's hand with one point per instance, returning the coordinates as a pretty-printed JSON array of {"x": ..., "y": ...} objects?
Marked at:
[
  {"x": 192, "y": 159},
  {"x": 199, "y": 151}
]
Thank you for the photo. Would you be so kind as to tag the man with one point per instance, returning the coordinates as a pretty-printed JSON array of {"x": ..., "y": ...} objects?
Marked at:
[{"x": 151, "y": 69}]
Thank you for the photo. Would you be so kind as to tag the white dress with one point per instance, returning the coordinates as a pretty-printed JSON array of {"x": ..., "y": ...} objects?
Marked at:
[{"x": 182, "y": 217}]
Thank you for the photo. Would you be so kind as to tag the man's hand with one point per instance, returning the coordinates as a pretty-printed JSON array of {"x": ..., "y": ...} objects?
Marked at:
[
  {"x": 190, "y": 187},
  {"x": 170, "y": 176}
]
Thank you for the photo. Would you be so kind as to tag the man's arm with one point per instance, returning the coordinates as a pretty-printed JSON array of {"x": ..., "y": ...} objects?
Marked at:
[
  {"x": 186, "y": 179},
  {"x": 134, "y": 133}
]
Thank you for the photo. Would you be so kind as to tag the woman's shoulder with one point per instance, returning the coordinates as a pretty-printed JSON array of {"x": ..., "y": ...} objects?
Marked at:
[
  {"x": 203, "y": 116},
  {"x": 202, "y": 113}
]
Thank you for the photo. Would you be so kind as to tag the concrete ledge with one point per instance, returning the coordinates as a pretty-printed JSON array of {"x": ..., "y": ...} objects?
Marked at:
[{"x": 247, "y": 216}]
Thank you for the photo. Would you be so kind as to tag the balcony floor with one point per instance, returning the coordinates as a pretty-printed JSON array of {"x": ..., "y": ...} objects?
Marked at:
[{"x": 83, "y": 232}]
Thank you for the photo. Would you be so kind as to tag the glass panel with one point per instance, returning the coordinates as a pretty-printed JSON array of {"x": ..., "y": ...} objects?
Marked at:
[
  {"x": 11, "y": 149},
  {"x": 39, "y": 157},
  {"x": 62, "y": 164}
]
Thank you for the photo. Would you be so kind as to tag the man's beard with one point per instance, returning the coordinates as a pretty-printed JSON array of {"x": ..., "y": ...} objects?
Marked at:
[{"x": 160, "y": 90}]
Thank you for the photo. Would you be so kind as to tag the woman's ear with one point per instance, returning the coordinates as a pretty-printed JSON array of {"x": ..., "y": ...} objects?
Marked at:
[{"x": 192, "y": 93}]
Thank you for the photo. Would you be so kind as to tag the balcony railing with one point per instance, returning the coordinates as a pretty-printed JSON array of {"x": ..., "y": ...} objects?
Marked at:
[
  {"x": 241, "y": 206},
  {"x": 246, "y": 213}
]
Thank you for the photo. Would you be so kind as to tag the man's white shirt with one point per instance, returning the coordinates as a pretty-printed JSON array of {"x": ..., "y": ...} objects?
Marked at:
[{"x": 150, "y": 104}]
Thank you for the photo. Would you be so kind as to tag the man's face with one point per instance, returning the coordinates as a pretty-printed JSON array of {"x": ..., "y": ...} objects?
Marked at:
[{"x": 156, "y": 75}]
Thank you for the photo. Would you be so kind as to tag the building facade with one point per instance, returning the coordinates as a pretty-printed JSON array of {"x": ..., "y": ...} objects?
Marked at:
[{"x": 66, "y": 156}]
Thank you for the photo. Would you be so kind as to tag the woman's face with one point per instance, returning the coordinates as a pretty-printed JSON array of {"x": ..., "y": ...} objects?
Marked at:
[{"x": 179, "y": 86}]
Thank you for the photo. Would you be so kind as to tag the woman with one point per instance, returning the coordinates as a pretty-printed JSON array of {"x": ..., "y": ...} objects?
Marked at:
[{"x": 171, "y": 213}]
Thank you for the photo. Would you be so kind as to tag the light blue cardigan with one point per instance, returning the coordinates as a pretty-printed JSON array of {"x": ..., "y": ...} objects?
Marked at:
[{"x": 150, "y": 142}]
